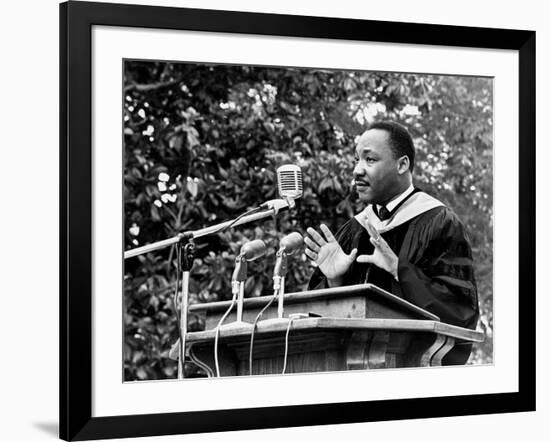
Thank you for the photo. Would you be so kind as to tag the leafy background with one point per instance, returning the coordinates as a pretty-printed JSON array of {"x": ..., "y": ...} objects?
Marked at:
[{"x": 202, "y": 143}]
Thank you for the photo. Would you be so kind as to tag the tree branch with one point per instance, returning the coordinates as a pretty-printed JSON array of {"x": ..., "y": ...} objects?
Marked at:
[{"x": 149, "y": 87}]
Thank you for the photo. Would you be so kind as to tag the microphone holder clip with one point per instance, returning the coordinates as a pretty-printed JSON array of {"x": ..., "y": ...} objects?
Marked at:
[
  {"x": 241, "y": 268},
  {"x": 187, "y": 249},
  {"x": 237, "y": 286},
  {"x": 281, "y": 268}
]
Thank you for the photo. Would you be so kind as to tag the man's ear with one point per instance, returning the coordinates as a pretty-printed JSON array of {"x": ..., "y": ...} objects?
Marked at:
[{"x": 403, "y": 164}]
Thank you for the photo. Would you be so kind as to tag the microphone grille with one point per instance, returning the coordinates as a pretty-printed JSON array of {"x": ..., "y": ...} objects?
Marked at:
[
  {"x": 292, "y": 242},
  {"x": 289, "y": 179},
  {"x": 253, "y": 250}
]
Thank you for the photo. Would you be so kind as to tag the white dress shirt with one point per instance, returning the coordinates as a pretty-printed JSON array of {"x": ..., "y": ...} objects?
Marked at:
[{"x": 394, "y": 202}]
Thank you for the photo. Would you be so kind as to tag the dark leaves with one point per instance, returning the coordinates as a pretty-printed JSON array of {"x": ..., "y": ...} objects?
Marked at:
[{"x": 218, "y": 133}]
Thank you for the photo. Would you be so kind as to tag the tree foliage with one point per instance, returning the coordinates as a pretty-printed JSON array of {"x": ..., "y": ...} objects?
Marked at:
[{"x": 202, "y": 143}]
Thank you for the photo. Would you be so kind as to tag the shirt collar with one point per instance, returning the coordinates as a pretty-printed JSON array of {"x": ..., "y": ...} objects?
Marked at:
[{"x": 394, "y": 202}]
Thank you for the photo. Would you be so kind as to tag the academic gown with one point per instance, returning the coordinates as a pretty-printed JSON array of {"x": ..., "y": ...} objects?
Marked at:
[{"x": 435, "y": 269}]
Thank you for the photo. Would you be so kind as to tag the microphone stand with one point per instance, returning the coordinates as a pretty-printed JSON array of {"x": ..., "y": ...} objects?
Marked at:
[
  {"x": 184, "y": 241},
  {"x": 237, "y": 284},
  {"x": 187, "y": 256},
  {"x": 237, "y": 288},
  {"x": 275, "y": 207},
  {"x": 279, "y": 274},
  {"x": 185, "y": 248}
]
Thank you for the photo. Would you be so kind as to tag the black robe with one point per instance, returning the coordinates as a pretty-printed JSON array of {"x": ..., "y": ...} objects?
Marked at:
[{"x": 435, "y": 269}]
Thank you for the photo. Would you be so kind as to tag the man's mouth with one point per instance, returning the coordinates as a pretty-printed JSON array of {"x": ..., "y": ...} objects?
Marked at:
[{"x": 361, "y": 184}]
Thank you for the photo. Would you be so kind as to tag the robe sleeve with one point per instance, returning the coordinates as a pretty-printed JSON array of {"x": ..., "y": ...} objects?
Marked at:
[{"x": 435, "y": 269}]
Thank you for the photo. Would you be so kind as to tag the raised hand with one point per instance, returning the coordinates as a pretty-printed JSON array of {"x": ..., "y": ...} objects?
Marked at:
[
  {"x": 383, "y": 256},
  {"x": 327, "y": 254}
]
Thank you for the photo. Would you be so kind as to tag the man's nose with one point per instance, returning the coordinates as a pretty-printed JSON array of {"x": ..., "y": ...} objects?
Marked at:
[{"x": 358, "y": 170}]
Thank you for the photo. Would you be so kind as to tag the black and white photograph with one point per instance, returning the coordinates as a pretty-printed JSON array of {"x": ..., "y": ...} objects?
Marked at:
[
  {"x": 274, "y": 221},
  {"x": 283, "y": 220}
]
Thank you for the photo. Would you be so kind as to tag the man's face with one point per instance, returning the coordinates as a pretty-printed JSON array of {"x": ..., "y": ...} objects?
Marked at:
[{"x": 376, "y": 168}]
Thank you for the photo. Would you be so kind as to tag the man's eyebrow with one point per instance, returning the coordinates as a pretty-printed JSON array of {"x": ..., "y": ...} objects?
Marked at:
[{"x": 362, "y": 151}]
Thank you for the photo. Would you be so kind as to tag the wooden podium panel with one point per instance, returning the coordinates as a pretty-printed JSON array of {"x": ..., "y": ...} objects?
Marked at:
[
  {"x": 355, "y": 327},
  {"x": 329, "y": 344}
]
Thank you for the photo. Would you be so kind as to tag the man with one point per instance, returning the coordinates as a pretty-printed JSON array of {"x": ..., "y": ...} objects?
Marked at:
[{"x": 405, "y": 241}]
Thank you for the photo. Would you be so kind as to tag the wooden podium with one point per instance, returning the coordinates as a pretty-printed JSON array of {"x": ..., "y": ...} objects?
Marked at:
[{"x": 345, "y": 328}]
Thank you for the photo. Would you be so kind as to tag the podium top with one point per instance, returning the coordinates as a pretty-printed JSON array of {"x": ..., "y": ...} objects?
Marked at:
[
  {"x": 305, "y": 324},
  {"x": 368, "y": 290}
]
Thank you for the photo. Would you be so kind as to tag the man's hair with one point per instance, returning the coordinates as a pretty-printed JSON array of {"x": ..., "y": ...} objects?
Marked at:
[{"x": 401, "y": 141}]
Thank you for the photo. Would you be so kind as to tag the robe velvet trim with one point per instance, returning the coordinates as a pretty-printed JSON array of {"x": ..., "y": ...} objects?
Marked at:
[{"x": 415, "y": 205}]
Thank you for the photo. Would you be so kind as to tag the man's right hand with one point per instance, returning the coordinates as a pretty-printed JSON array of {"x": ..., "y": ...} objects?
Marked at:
[{"x": 328, "y": 255}]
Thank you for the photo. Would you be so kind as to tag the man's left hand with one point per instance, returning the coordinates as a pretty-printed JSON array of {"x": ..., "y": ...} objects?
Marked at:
[{"x": 383, "y": 256}]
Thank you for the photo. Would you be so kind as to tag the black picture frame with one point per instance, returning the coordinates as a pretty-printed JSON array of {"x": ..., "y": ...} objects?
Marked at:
[{"x": 76, "y": 21}]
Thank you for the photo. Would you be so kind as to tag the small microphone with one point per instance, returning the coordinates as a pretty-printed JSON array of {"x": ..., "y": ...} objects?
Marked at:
[
  {"x": 289, "y": 183},
  {"x": 253, "y": 250},
  {"x": 290, "y": 243},
  {"x": 249, "y": 252}
]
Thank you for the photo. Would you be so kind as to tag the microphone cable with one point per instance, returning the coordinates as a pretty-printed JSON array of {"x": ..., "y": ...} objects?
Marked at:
[
  {"x": 367, "y": 273},
  {"x": 264, "y": 206},
  {"x": 254, "y": 325},
  {"x": 217, "y": 336},
  {"x": 242, "y": 215},
  {"x": 286, "y": 344}
]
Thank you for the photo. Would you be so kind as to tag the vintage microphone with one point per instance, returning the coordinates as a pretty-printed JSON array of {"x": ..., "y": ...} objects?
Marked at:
[{"x": 289, "y": 184}]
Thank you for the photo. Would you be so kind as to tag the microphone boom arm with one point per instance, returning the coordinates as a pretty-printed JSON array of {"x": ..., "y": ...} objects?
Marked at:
[{"x": 274, "y": 207}]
